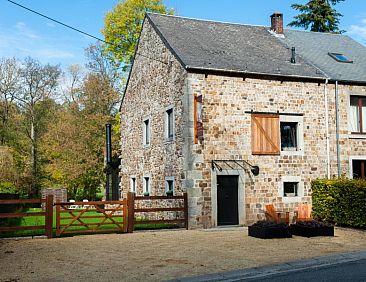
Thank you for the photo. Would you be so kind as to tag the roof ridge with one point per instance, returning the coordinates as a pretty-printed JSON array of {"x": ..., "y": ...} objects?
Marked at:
[{"x": 205, "y": 20}]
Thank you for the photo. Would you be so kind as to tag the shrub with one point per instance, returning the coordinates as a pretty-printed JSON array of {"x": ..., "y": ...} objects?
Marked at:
[
  {"x": 7, "y": 188},
  {"x": 342, "y": 201}
]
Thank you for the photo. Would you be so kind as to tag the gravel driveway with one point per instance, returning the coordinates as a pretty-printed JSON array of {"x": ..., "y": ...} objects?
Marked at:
[{"x": 159, "y": 255}]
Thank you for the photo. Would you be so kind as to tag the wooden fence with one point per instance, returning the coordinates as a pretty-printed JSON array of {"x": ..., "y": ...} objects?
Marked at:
[
  {"x": 132, "y": 210},
  {"x": 47, "y": 213},
  {"x": 72, "y": 217},
  {"x": 76, "y": 214}
]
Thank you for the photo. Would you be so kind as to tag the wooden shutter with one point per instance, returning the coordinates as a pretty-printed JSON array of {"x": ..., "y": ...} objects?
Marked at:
[
  {"x": 265, "y": 135},
  {"x": 198, "y": 121}
]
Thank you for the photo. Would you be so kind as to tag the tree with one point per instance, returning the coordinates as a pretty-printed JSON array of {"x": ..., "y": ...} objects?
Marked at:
[
  {"x": 319, "y": 15},
  {"x": 122, "y": 28},
  {"x": 38, "y": 82},
  {"x": 9, "y": 85}
]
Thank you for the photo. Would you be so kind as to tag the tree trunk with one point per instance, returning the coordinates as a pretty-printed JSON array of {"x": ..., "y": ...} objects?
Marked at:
[{"x": 33, "y": 191}]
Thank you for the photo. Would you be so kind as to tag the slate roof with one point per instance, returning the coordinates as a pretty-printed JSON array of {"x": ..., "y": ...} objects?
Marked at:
[
  {"x": 207, "y": 45},
  {"x": 315, "y": 46}
]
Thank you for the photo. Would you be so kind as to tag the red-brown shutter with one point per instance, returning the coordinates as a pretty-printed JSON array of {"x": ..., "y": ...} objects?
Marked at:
[{"x": 265, "y": 134}]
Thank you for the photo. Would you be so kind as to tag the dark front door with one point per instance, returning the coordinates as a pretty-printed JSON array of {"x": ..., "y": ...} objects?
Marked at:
[{"x": 227, "y": 200}]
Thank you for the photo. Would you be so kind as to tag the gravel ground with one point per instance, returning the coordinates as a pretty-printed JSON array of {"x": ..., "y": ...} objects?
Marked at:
[{"x": 159, "y": 255}]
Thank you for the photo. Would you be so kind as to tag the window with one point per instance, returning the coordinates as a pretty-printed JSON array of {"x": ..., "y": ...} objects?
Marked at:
[
  {"x": 277, "y": 134},
  {"x": 357, "y": 118},
  {"x": 169, "y": 185},
  {"x": 290, "y": 189},
  {"x": 288, "y": 136},
  {"x": 146, "y": 133},
  {"x": 358, "y": 168},
  {"x": 146, "y": 184},
  {"x": 340, "y": 58},
  {"x": 133, "y": 184},
  {"x": 169, "y": 117}
]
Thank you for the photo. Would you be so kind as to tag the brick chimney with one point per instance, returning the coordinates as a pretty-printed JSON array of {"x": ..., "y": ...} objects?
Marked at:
[{"x": 277, "y": 22}]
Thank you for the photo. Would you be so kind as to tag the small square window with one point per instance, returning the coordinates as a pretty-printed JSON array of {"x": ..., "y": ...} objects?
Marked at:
[
  {"x": 358, "y": 169},
  {"x": 169, "y": 185},
  {"x": 288, "y": 136},
  {"x": 290, "y": 189},
  {"x": 340, "y": 58}
]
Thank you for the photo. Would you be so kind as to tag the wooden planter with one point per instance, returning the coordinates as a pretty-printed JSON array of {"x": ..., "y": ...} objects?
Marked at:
[
  {"x": 269, "y": 232},
  {"x": 311, "y": 231}
]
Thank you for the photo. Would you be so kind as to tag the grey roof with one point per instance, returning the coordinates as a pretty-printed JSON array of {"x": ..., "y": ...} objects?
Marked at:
[
  {"x": 315, "y": 46},
  {"x": 211, "y": 45}
]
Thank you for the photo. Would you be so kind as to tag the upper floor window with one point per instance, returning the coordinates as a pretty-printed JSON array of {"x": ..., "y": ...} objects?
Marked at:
[
  {"x": 357, "y": 118},
  {"x": 277, "y": 134},
  {"x": 169, "y": 124},
  {"x": 146, "y": 133}
]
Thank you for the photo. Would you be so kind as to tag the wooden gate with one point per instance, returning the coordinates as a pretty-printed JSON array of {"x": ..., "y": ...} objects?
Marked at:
[{"x": 91, "y": 217}]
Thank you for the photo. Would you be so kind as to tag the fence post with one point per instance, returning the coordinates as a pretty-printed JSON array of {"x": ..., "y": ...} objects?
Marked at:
[
  {"x": 49, "y": 216},
  {"x": 131, "y": 211},
  {"x": 185, "y": 210}
]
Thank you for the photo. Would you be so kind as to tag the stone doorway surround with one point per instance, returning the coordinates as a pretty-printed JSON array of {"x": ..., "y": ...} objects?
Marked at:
[{"x": 241, "y": 193}]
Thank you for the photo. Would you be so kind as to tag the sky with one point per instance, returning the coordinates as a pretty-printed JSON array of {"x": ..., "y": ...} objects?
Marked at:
[{"x": 24, "y": 34}]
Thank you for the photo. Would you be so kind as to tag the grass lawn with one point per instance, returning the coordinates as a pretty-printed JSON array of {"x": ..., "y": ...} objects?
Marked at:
[{"x": 40, "y": 220}]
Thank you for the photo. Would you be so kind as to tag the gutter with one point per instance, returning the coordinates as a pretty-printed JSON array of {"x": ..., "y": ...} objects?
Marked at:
[
  {"x": 337, "y": 130},
  {"x": 191, "y": 68},
  {"x": 327, "y": 126}
]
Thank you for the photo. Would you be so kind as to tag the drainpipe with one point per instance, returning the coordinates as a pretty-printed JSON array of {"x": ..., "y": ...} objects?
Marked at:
[
  {"x": 337, "y": 130},
  {"x": 327, "y": 126}
]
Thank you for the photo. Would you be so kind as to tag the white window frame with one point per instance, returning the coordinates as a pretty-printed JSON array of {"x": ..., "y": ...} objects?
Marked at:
[
  {"x": 167, "y": 137},
  {"x": 133, "y": 184},
  {"x": 300, "y": 189},
  {"x": 350, "y": 134},
  {"x": 351, "y": 158},
  {"x": 148, "y": 188},
  {"x": 169, "y": 178},
  {"x": 299, "y": 135},
  {"x": 146, "y": 141}
]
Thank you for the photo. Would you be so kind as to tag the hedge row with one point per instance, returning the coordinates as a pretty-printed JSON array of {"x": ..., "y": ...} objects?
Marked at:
[{"x": 342, "y": 201}]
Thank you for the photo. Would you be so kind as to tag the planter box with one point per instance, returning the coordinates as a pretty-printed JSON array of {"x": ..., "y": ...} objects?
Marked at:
[
  {"x": 306, "y": 231},
  {"x": 269, "y": 232}
]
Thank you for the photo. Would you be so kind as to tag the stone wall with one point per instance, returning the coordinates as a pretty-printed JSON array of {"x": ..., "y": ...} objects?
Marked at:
[
  {"x": 156, "y": 83},
  {"x": 227, "y": 136}
]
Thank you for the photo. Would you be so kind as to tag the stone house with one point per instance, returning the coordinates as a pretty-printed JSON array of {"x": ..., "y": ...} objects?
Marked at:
[{"x": 208, "y": 103}]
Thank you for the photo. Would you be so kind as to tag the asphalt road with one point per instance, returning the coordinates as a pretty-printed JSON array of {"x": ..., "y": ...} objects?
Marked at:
[
  {"x": 351, "y": 271},
  {"x": 342, "y": 267}
]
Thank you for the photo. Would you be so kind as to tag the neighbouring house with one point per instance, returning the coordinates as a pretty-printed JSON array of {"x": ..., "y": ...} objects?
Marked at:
[{"x": 208, "y": 103}]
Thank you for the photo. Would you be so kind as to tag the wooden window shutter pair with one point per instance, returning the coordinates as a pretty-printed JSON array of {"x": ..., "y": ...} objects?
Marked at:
[{"x": 265, "y": 134}]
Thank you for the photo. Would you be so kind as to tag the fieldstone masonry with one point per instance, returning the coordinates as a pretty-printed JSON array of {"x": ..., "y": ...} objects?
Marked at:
[{"x": 158, "y": 81}]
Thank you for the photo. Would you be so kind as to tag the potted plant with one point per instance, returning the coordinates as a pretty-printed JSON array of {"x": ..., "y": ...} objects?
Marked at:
[
  {"x": 146, "y": 194},
  {"x": 312, "y": 228},
  {"x": 169, "y": 193},
  {"x": 268, "y": 230}
]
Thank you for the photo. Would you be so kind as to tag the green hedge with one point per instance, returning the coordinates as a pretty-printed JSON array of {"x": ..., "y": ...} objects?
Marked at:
[{"x": 342, "y": 201}]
